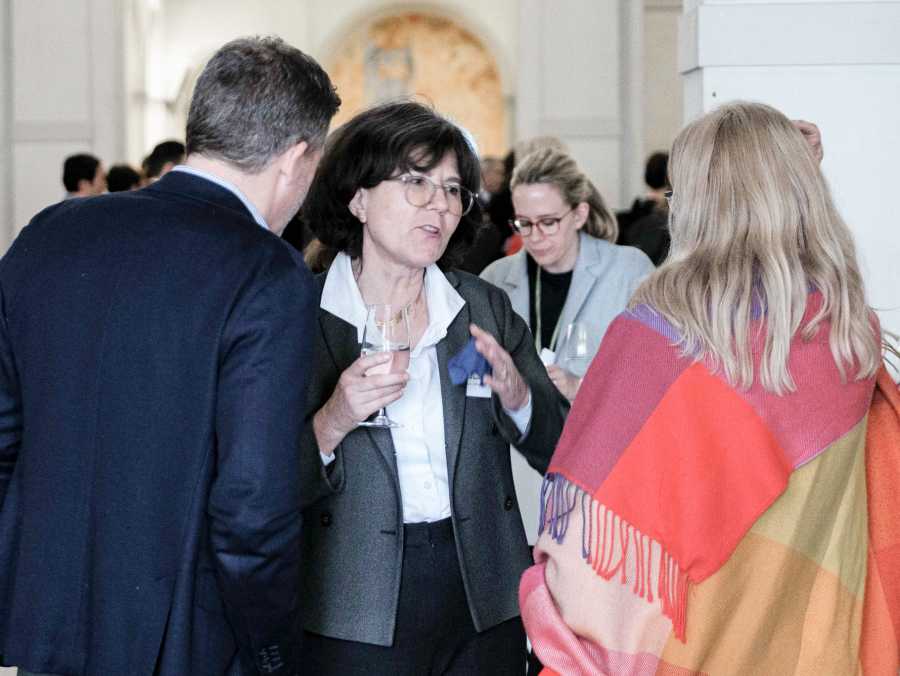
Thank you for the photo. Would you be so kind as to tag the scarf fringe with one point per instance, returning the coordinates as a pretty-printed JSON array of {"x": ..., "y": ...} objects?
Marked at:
[{"x": 612, "y": 546}]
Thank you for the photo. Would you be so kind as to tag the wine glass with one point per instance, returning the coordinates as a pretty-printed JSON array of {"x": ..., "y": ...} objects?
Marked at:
[
  {"x": 577, "y": 355},
  {"x": 386, "y": 330}
]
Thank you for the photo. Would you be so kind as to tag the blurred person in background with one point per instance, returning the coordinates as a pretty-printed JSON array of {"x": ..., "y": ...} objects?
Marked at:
[
  {"x": 164, "y": 157},
  {"x": 646, "y": 224},
  {"x": 83, "y": 176},
  {"x": 122, "y": 177}
]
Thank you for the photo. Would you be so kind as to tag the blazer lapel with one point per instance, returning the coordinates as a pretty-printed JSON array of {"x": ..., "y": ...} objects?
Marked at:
[
  {"x": 583, "y": 280},
  {"x": 342, "y": 342},
  {"x": 454, "y": 396},
  {"x": 516, "y": 285}
]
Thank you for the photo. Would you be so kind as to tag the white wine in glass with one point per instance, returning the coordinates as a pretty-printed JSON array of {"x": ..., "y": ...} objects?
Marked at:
[{"x": 386, "y": 330}]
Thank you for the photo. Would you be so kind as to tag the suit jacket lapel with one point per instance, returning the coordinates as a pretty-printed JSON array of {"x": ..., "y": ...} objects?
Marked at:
[
  {"x": 516, "y": 285},
  {"x": 454, "y": 396},
  {"x": 583, "y": 280},
  {"x": 342, "y": 342}
]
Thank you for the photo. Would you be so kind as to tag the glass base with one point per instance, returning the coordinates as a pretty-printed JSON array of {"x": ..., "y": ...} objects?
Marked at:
[{"x": 380, "y": 421}]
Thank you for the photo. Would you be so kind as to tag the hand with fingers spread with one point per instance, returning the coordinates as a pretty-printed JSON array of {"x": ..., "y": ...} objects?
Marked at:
[
  {"x": 565, "y": 381},
  {"x": 505, "y": 380},
  {"x": 358, "y": 394}
]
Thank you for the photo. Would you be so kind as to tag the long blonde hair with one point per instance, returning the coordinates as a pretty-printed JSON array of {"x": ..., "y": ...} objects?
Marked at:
[
  {"x": 753, "y": 228},
  {"x": 549, "y": 165}
]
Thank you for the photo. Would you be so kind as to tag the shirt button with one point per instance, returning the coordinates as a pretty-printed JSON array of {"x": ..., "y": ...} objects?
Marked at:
[{"x": 428, "y": 485}]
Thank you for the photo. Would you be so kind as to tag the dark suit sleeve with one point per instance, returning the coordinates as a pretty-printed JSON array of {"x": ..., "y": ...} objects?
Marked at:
[
  {"x": 256, "y": 496},
  {"x": 549, "y": 407},
  {"x": 10, "y": 406}
]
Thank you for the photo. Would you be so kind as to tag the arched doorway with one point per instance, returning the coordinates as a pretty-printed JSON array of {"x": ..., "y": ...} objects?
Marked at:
[{"x": 429, "y": 58}]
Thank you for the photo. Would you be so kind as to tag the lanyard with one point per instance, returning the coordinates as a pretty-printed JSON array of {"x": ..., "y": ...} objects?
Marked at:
[{"x": 537, "y": 317}]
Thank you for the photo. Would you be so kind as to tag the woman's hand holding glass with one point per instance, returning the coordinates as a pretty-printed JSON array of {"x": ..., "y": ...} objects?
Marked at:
[
  {"x": 356, "y": 397},
  {"x": 505, "y": 380},
  {"x": 576, "y": 355}
]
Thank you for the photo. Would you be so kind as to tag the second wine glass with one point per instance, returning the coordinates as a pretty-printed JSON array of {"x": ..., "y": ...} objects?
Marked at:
[
  {"x": 576, "y": 354},
  {"x": 386, "y": 330}
]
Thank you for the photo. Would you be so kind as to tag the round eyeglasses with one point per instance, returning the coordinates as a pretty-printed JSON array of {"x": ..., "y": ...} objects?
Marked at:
[
  {"x": 420, "y": 190},
  {"x": 548, "y": 225}
]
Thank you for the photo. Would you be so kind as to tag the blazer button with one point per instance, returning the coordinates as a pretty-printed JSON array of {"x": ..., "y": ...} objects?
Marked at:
[
  {"x": 325, "y": 519},
  {"x": 508, "y": 505},
  {"x": 494, "y": 430}
]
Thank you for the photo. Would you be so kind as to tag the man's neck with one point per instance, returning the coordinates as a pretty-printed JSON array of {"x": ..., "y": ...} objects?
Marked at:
[{"x": 255, "y": 187}]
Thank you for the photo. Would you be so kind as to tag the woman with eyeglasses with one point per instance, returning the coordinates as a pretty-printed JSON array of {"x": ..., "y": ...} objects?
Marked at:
[
  {"x": 412, "y": 552},
  {"x": 568, "y": 271}
]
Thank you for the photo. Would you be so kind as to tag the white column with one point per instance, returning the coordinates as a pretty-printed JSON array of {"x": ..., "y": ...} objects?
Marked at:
[
  {"x": 6, "y": 206},
  {"x": 835, "y": 63},
  {"x": 575, "y": 59},
  {"x": 63, "y": 93}
]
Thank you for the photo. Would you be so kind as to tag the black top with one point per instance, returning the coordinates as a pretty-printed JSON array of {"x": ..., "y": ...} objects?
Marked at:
[{"x": 554, "y": 289}]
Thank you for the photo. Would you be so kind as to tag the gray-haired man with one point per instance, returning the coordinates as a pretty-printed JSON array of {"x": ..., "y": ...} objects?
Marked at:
[{"x": 154, "y": 356}]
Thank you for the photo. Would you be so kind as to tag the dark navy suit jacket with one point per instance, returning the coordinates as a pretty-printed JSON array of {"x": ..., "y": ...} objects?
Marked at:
[{"x": 154, "y": 357}]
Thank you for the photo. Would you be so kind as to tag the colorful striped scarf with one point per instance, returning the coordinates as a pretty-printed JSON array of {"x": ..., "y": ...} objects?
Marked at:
[{"x": 689, "y": 527}]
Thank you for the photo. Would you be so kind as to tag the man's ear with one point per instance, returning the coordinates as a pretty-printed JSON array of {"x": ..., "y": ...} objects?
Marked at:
[
  {"x": 357, "y": 205},
  {"x": 294, "y": 161}
]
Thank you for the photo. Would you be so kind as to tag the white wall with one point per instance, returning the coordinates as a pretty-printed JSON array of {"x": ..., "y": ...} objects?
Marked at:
[
  {"x": 837, "y": 64},
  {"x": 63, "y": 93},
  {"x": 179, "y": 49},
  {"x": 576, "y": 81},
  {"x": 662, "y": 99}
]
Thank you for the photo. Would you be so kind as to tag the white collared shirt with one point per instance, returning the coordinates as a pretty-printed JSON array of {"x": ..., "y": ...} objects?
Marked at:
[
  {"x": 230, "y": 187},
  {"x": 419, "y": 443}
]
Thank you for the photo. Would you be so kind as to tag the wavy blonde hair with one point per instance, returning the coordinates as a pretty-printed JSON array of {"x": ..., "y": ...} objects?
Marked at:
[
  {"x": 753, "y": 228},
  {"x": 549, "y": 165}
]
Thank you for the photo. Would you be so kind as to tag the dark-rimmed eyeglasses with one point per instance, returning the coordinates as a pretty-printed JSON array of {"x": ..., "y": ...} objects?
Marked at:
[
  {"x": 549, "y": 225},
  {"x": 420, "y": 190}
]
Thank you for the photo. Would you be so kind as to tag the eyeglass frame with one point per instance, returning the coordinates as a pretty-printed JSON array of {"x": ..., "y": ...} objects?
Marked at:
[
  {"x": 670, "y": 198},
  {"x": 405, "y": 180},
  {"x": 556, "y": 220}
]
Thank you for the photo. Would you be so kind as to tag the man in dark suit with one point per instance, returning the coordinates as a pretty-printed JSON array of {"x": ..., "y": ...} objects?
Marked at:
[{"x": 154, "y": 357}]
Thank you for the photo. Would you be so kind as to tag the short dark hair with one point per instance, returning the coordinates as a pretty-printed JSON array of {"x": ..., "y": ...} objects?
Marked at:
[
  {"x": 80, "y": 167},
  {"x": 656, "y": 172},
  {"x": 121, "y": 177},
  {"x": 163, "y": 153},
  {"x": 373, "y": 146},
  {"x": 256, "y": 98}
]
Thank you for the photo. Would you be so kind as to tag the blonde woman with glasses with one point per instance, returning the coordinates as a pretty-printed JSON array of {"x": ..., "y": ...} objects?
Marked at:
[
  {"x": 710, "y": 505},
  {"x": 568, "y": 273},
  {"x": 568, "y": 270}
]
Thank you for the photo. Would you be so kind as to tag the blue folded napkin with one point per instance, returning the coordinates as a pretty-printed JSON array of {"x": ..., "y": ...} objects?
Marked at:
[{"x": 466, "y": 363}]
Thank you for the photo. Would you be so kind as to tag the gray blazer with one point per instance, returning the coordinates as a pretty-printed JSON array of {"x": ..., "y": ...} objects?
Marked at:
[
  {"x": 353, "y": 535},
  {"x": 603, "y": 280}
]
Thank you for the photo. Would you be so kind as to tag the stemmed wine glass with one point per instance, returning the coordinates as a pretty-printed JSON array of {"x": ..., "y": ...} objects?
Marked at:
[
  {"x": 577, "y": 354},
  {"x": 386, "y": 330}
]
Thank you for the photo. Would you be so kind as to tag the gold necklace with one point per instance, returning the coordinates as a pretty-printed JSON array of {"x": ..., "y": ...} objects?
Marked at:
[{"x": 409, "y": 308}]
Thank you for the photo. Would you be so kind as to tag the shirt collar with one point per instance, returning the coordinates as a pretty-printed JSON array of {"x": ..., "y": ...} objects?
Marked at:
[
  {"x": 230, "y": 187},
  {"x": 342, "y": 298}
]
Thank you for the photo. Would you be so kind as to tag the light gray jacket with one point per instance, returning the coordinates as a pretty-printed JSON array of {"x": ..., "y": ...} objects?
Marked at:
[
  {"x": 353, "y": 536},
  {"x": 604, "y": 277}
]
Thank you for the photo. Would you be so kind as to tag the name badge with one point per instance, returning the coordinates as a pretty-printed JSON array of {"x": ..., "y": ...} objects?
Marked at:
[{"x": 474, "y": 388}]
